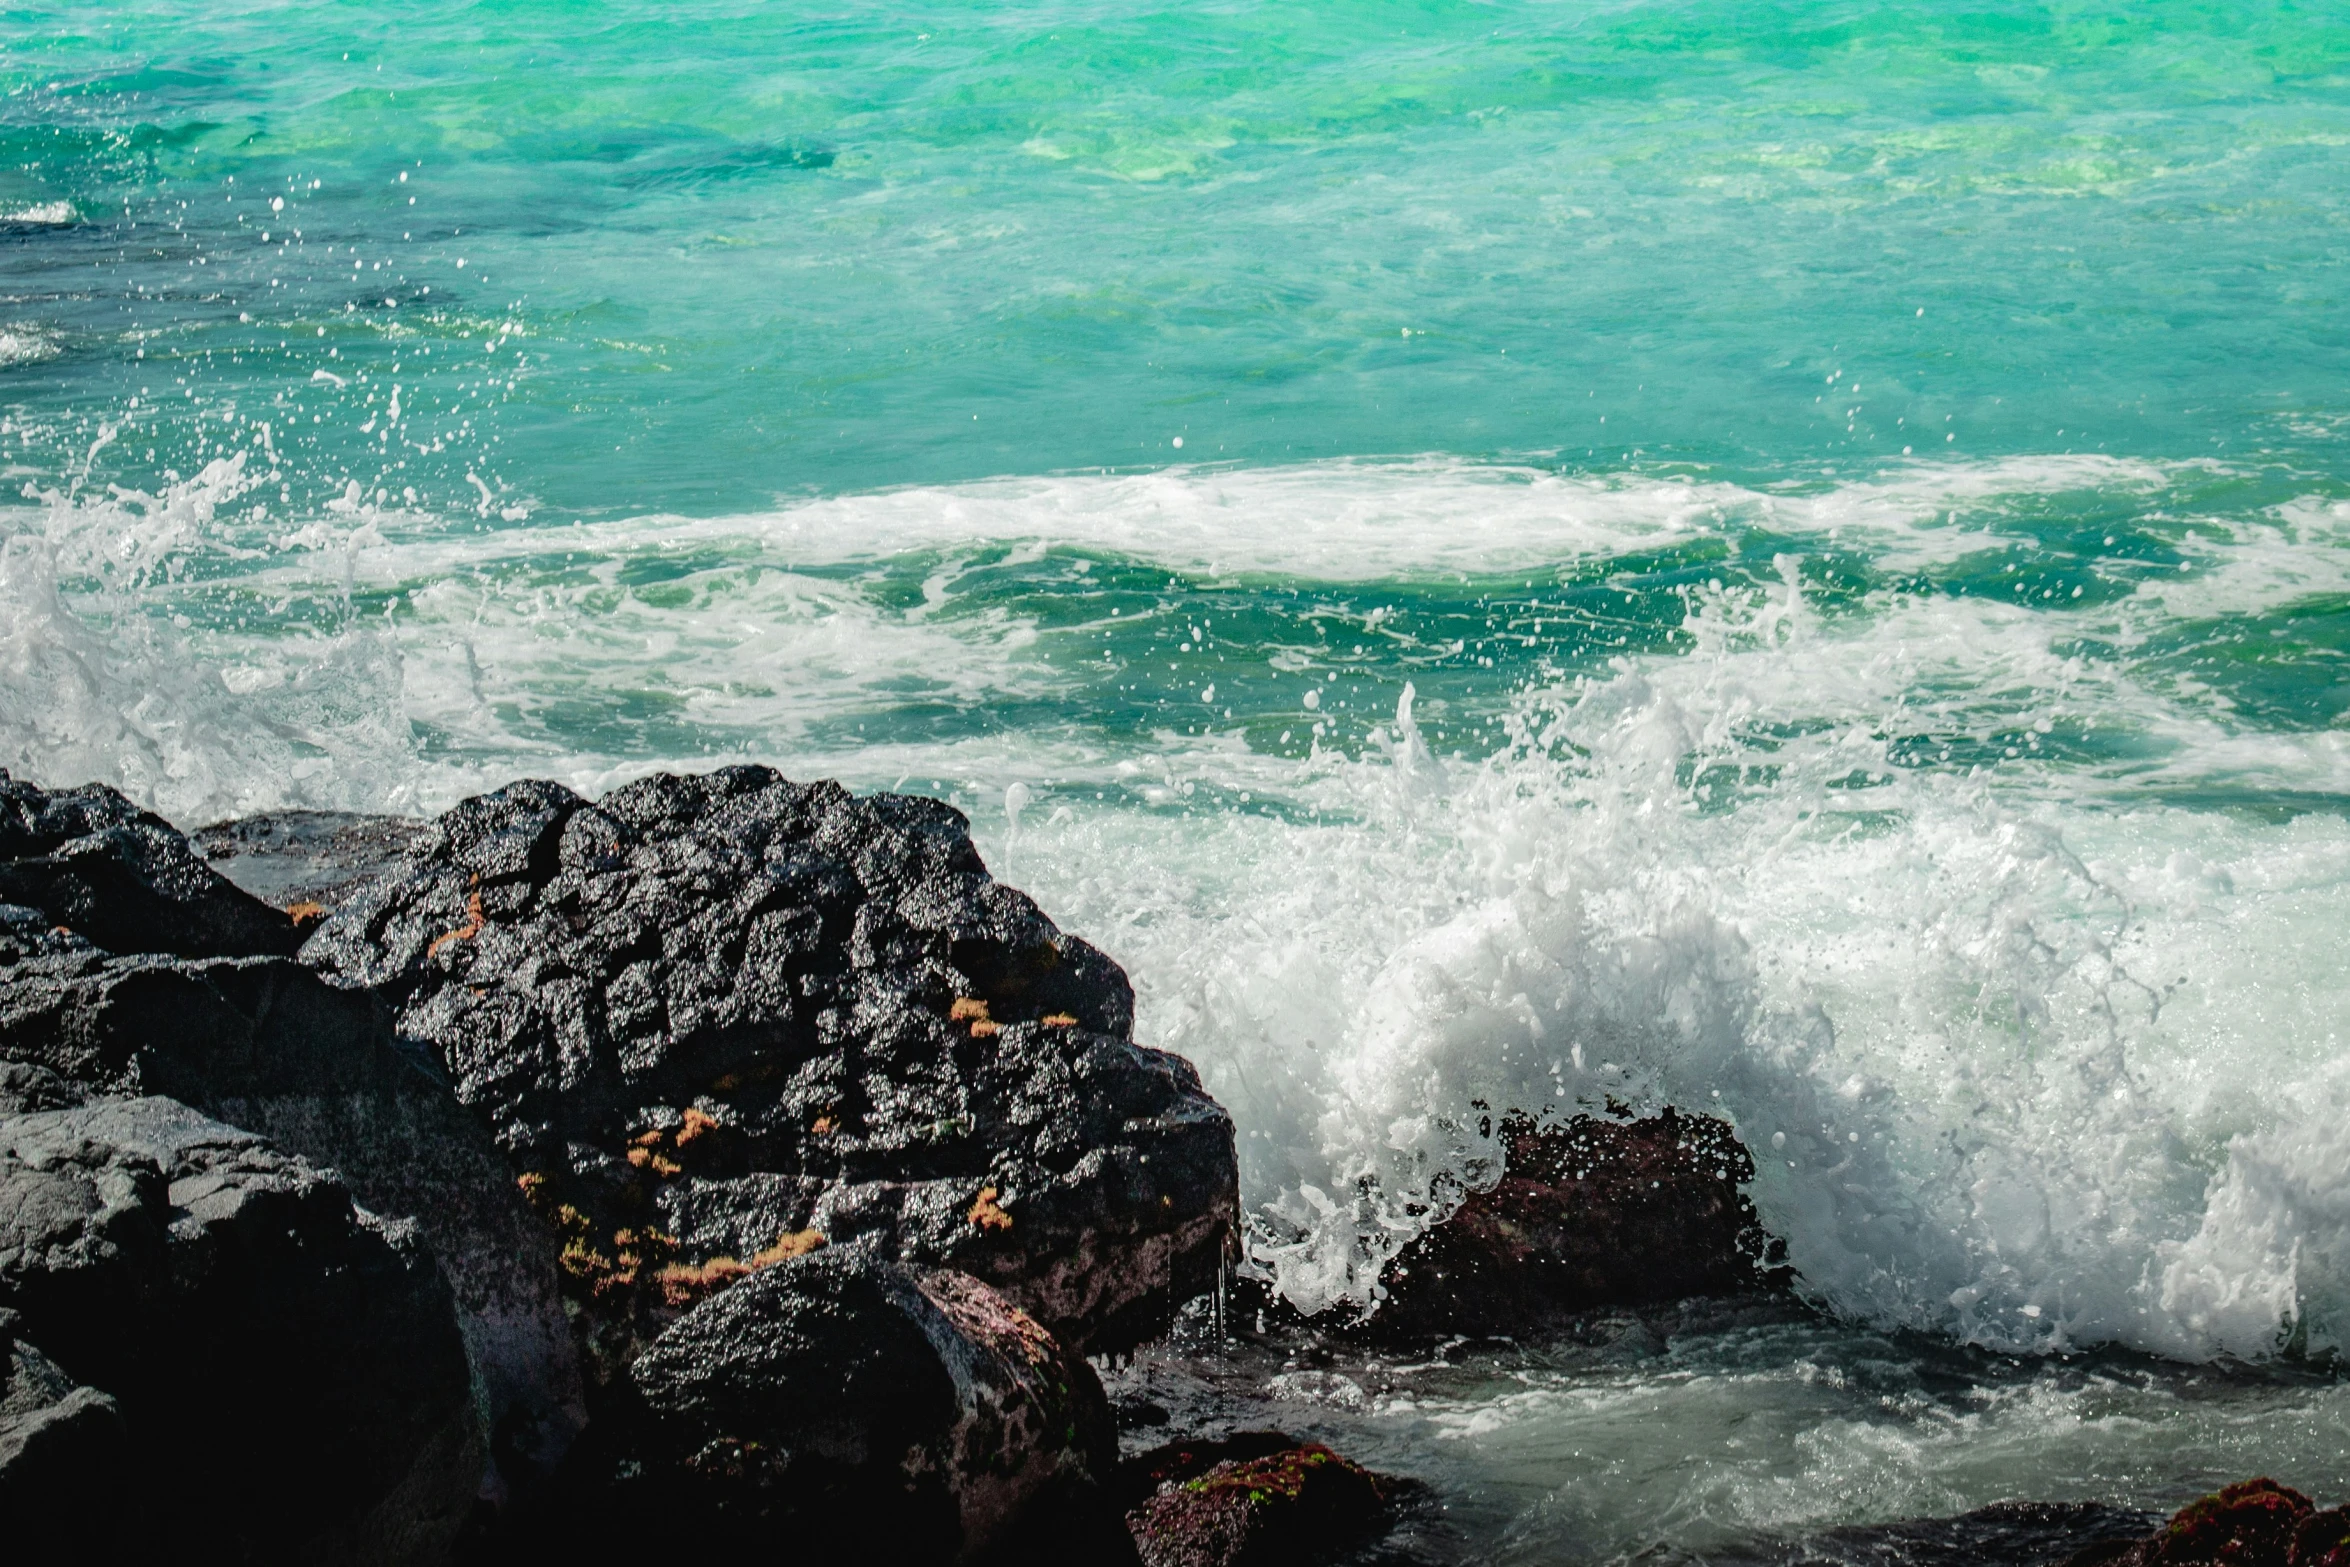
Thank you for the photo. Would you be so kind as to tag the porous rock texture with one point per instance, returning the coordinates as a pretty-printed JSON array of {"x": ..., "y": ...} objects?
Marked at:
[
  {"x": 1257, "y": 1499},
  {"x": 262, "y": 1043},
  {"x": 720, "y": 1021},
  {"x": 249, "y": 1360},
  {"x": 846, "y": 1402},
  {"x": 90, "y": 861},
  {"x": 2252, "y": 1523},
  {"x": 1587, "y": 1213}
]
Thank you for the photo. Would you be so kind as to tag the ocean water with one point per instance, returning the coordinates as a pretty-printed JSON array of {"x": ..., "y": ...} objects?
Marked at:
[{"x": 1784, "y": 559}]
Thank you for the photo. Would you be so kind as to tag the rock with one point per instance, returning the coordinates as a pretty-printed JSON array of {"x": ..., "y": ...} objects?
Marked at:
[
  {"x": 2253, "y": 1523},
  {"x": 844, "y": 1401},
  {"x": 1593, "y": 1212},
  {"x": 124, "y": 879},
  {"x": 287, "y": 1368},
  {"x": 265, "y": 1045},
  {"x": 63, "y": 1449},
  {"x": 716, "y": 1021},
  {"x": 2321, "y": 1540},
  {"x": 1249, "y": 1502},
  {"x": 306, "y": 862}
]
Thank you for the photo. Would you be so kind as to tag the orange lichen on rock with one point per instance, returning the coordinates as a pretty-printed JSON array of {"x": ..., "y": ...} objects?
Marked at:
[
  {"x": 683, "y": 1283},
  {"x": 645, "y": 1158},
  {"x": 1059, "y": 1020},
  {"x": 465, "y": 932},
  {"x": 986, "y": 1214},
  {"x": 973, "y": 1010},
  {"x": 695, "y": 1125},
  {"x": 823, "y": 1126},
  {"x": 305, "y": 914}
]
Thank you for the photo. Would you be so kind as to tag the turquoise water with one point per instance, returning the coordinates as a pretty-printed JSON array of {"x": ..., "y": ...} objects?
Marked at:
[{"x": 1790, "y": 558}]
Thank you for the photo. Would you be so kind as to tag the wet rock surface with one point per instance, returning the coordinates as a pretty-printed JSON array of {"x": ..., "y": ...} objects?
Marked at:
[
  {"x": 845, "y": 1401},
  {"x": 2252, "y": 1523},
  {"x": 306, "y": 862},
  {"x": 718, "y": 1021},
  {"x": 124, "y": 879},
  {"x": 253, "y": 1360},
  {"x": 1253, "y": 1498},
  {"x": 265, "y": 1045},
  {"x": 1588, "y": 1213}
]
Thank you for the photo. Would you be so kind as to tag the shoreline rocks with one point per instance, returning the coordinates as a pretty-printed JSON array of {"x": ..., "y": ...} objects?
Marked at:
[
  {"x": 750, "y": 1152},
  {"x": 1587, "y": 1213},
  {"x": 273, "y": 1369},
  {"x": 2252, "y": 1523},
  {"x": 718, "y": 1021},
  {"x": 265, "y": 1045},
  {"x": 1253, "y": 1499}
]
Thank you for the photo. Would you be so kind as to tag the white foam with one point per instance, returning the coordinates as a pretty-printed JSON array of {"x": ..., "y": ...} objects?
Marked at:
[{"x": 2027, "y": 1056}]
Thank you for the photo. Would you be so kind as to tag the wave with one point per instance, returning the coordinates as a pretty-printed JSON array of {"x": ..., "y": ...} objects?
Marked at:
[{"x": 2000, "y": 928}]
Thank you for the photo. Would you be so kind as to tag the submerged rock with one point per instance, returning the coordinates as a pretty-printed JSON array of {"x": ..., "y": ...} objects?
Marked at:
[
  {"x": 285, "y": 1368},
  {"x": 1254, "y": 1500},
  {"x": 124, "y": 879},
  {"x": 719, "y": 1021},
  {"x": 1589, "y": 1213},
  {"x": 843, "y": 1401}
]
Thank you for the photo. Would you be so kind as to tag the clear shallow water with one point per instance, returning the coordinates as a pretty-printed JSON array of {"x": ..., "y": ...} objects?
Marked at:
[{"x": 1790, "y": 559}]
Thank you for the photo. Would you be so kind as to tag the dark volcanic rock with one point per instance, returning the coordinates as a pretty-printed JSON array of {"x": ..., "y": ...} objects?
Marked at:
[
  {"x": 1592, "y": 1212},
  {"x": 63, "y": 1450},
  {"x": 1292, "y": 1504},
  {"x": 2321, "y": 1540},
  {"x": 717, "y": 1020},
  {"x": 287, "y": 1368},
  {"x": 123, "y": 878},
  {"x": 265, "y": 1045},
  {"x": 305, "y": 861},
  {"x": 843, "y": 1402},
  {"x": 2253, "y": 1523}
]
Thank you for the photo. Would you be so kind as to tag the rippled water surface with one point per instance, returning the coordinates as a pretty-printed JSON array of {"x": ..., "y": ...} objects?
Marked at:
[{"x": 1791, "y": 559}]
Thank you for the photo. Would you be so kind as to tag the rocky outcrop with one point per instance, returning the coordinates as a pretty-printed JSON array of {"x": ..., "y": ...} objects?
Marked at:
[
  {"x": 124, "y": 879},
  {"x": 831, "y": 1153},
  {"x": 1253, "y": 1500},
  {"x": 245, "y": 1357},
  {"x": 719, "y": 1021},
  {"x": 263, "y": 1044},
  {"x": 2253, "y": 1523},
  {"x": 846, "y": 1402},
  {"x": 1587, "y": 1213}
]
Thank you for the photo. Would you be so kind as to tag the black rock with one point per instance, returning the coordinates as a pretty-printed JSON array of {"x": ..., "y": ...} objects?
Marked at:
[
  {"x": 1257, "y": 1499},
  {"x": 265, "y": 1045},
  {"x": 841, "y": 1402},
  {"x": 287, "y": 1368},
  {"x": 717, "y": 1020},
  {"x": 88, "y": 860},
  {"x": 1590, "y": 1212},
  {"x": 63, "y": 1450}
]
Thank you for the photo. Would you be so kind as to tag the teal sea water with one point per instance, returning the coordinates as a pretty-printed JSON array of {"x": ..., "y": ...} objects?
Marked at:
[{"x": 1792, "y": 558}]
